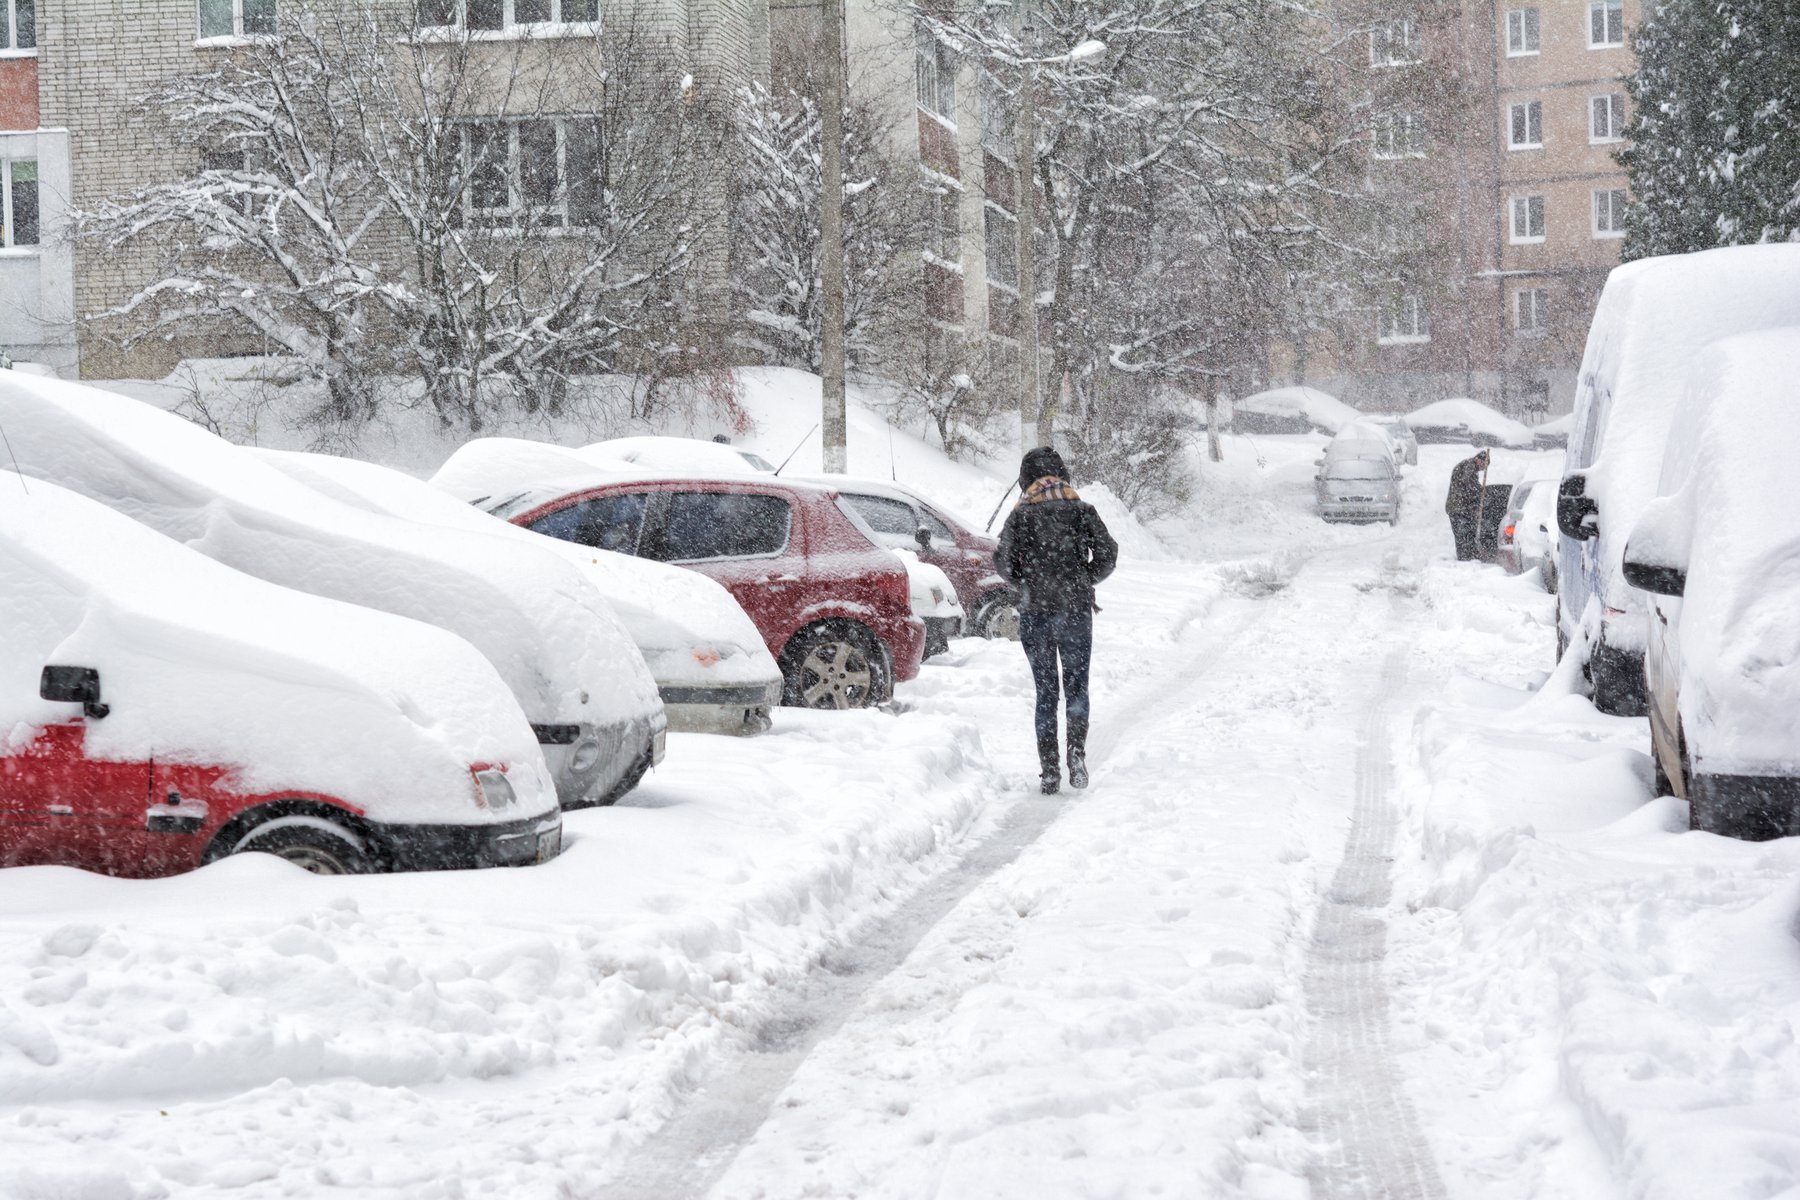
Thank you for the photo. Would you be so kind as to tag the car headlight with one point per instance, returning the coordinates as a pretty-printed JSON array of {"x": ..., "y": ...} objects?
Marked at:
[
  {"x": 493, "y": 790},
  {"x": 585, "y": 756},
  {"x": 937, "y": 596}
]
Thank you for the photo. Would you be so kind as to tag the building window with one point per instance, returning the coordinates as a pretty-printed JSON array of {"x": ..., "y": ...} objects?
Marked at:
[
  {"x": 1403, "y": 320},
  {"x": 20, "y": 180},
  {"x": 494, "y": 16},
  {"x": 1002, "y": 231},
  {"x": 1398, "y": 135},
  {"x": 1606, "y": 23},
  {"x": 236, "y": 18},
  {"x": 1606, "y": 118},
  {"x": 943, "y": 225},
  {"x": 1528, "y": 311},
  {"x": 997, "y": 112},
  {"x": 1609, "y": 213},
  {"x": 936, "y": 68},
  {"x": 1525, "y": 126},
  {"x": 533, "y": 173},
  {"x": 1527, "y": 219},
  {"x": 1521, "y": 32},
  {"x": 1394, "y": 43},
  {"x": 20, "y": 17}
]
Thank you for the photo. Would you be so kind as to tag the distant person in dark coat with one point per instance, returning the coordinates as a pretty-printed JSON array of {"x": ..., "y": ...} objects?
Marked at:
[
  {"x": 1054, "y": 549},
  {"x": 1464, "y": 502}
]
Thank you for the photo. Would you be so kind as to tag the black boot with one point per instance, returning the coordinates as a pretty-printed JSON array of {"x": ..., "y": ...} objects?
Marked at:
[
  {"x": 1078, "y": 776},
  {"x": 1049, "y": 776}
]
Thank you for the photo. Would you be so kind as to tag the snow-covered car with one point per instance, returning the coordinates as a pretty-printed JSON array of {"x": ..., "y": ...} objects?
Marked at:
[
  {"x": 684, "y": 456},
  {"x": 1718, "y": 554},
  {"x": 934, "y": 601},
  {"x": 1654, "y": 317},
  {"x": 709, "y": 662},
  {"x": 1291, "y": 410},
  {"x": 1554, "y": 434},
  {"x": 898, "y": 514},
  {"x": 159, "y": 711},
  {"x": 572, "y": 667},
  {"x": 1460, "y": 419},
  {"x": 1400, "y": 438},
  {"x": 833, "y": 608},
  {"x": 1525, "y": 540},
  {"x": 1358, "y": 480}
]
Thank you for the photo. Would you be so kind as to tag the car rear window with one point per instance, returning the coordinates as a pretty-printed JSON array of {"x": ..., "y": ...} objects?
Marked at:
[
  {"x": 606, "y": 523},
  {"x": 724, "y": 525}
]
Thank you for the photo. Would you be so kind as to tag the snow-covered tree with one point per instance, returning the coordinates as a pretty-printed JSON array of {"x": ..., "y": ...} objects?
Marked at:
[{"x": 1713, "y": 145}]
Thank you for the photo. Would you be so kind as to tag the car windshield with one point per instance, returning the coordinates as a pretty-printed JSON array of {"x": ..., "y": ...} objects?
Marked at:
[{"x": 1359, "y": 468}]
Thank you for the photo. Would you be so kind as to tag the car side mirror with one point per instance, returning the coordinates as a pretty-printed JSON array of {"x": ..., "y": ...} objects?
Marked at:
[
  {"x": 922, "y": 535},
  {"x": 73, "y": 685},
  {"x": 1577, "y": 514},
  {"x": 1663, "y": 581}
]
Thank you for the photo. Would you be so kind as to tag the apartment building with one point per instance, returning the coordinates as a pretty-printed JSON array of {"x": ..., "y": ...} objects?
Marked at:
[
  {"x": 37, "y": 303},
  {"x": 1501, "y": 130},
  {"x": 72, "y": 102}
]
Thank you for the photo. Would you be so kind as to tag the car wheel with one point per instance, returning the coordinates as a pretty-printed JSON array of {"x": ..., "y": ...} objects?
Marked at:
[
  {"x": 320, "y": 846},
  {"x": 998, "y": 617},
  {"x": 834, "y": 666}
]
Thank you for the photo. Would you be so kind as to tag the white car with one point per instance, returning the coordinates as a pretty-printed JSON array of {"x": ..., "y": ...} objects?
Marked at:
[
  {"x": 1358, "y": 480},
  {"x": 934, "y": 601},
  {"x": 1400, "y": 437},
  {"x": 1526, "y": 537},
  {"x": 160, "y": 711},
  {"x": 570, "y": 664},
  {"x": 1461, "y": 419},
  {"x": 709, "y": 662}
]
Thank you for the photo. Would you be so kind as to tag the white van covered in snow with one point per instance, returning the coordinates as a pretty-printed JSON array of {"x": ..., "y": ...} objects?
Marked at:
[
  {"x": 573, "y": 669},
  {"x": 1654, "y": 318},
  {"x": 159, "y": 711},
  {"x": 709, "y": 662}
]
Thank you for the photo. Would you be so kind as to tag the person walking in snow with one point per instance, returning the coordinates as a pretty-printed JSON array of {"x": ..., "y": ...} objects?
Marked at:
[
  {"x": 1054, "y": 548},
  {"x": 1463, "y": 504}
]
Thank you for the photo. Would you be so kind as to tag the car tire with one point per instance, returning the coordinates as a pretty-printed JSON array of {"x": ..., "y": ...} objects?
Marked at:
[
  {"x": 837, "y": 665},
  {"x": 315, "y": 844},
  {"x": 997, "y": 616}
]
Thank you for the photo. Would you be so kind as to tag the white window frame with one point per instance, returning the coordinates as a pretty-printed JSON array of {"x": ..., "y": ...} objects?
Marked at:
[
  {"x": 1606, "y": 10},
  {"x": 1403, "y": 321},
  {"x": 553, "y": 217},
  {"x": 1394, "y": 136},
  {"x": 11, "y": 47},
  {"x": 1521, "y": 210},
  {"x": 1534, "y": 117},
  {"x": 1616, "y": 205},
  {"x": 1387, "y": 50},
  {"x": 934, "y": 71},
  {"x": 237, "y": 36},
  {"x": 1532, "y": 302},
  {"x": 1613, "y": 105},
  {"x": 6, "y": 213},
  {"x": 946, "y": 197},
  {"x": 509, "y": 25},
  {"x": 1524, "y": 25}
]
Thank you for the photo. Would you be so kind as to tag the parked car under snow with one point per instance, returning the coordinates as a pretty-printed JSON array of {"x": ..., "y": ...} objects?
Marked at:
[
  {"x": 1471, "y": 421},
  {"x": 710, "y": 665},
  {"x": 1358, "y": 480},
  {"x": 159, "y": 711},
  {"x": 570, "y": 664}
]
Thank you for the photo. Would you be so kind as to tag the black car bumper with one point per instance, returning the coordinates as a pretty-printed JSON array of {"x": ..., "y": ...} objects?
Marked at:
[
  {"x": 1755, "y": 808},
  {"x": 466, "y": 847}
]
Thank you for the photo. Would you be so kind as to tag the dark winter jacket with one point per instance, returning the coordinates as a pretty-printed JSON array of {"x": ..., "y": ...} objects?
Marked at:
[
  {"x": 1054, "y": 548},
  {"x": 1465, "y": 489}
]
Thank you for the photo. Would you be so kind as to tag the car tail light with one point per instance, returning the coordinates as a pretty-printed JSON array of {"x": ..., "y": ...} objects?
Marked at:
[
  {"x": 1510, "y": 530},
  {"x": 492, "y": 789}
]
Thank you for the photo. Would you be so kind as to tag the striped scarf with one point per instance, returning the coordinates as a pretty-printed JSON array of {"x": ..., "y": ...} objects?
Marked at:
[{"x": 1048, "y": 488}]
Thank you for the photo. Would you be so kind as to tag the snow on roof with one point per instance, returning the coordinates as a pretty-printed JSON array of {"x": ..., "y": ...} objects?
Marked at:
[
  {"x": 556, "y": 644},
  {"x": 683, "y": 455},
  {"x": 1472, "y": 417},
  {"x": 1325, "y": 411},
  {"x": 688, "y": 627},
  {"x": 1731, "y": 515},
  {"x": 204, "y": 664}
]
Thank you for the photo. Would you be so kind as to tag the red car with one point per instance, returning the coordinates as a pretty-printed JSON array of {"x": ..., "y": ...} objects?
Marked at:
[
  {"x": 903, "y": 519},
  {"x": 833, "y": 607}
]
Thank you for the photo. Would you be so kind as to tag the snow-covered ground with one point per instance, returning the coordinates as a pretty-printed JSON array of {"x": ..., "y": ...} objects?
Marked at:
[{"x": 859, "y": 956}]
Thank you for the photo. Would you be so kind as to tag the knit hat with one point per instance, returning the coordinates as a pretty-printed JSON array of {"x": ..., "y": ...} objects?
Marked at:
[{"x": 1038, "y": 463}]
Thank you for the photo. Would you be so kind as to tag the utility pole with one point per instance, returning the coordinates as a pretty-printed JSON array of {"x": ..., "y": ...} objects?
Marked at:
[
  {"x": 832, "y": 417},
  {"x": 1034, "y": 420}
]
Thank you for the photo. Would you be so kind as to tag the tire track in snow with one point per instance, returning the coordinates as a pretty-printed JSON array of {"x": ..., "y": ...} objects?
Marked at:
[
  {"x": 1372, "y": 1147},
  {"x": 693, "y": 1151}
]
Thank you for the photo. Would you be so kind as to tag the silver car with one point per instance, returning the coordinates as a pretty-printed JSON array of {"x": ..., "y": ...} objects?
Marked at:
[
  {"x": 1400, "y": 437},
  {"x": 1359, "y": 488}
]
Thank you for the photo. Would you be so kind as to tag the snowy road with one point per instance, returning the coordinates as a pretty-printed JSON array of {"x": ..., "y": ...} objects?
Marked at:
[{"x": 1359, "y": 905}]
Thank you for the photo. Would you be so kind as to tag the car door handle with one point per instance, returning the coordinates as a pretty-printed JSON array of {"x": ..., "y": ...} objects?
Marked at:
[{"x": 62, "y": 810}]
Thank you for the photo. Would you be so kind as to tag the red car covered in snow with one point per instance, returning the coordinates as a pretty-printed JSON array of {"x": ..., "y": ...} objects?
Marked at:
[{"x": 833, "y": 607}]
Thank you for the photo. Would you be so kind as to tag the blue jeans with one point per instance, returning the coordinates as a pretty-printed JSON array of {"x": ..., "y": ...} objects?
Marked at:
[{"x": 1047, "y": 637}]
